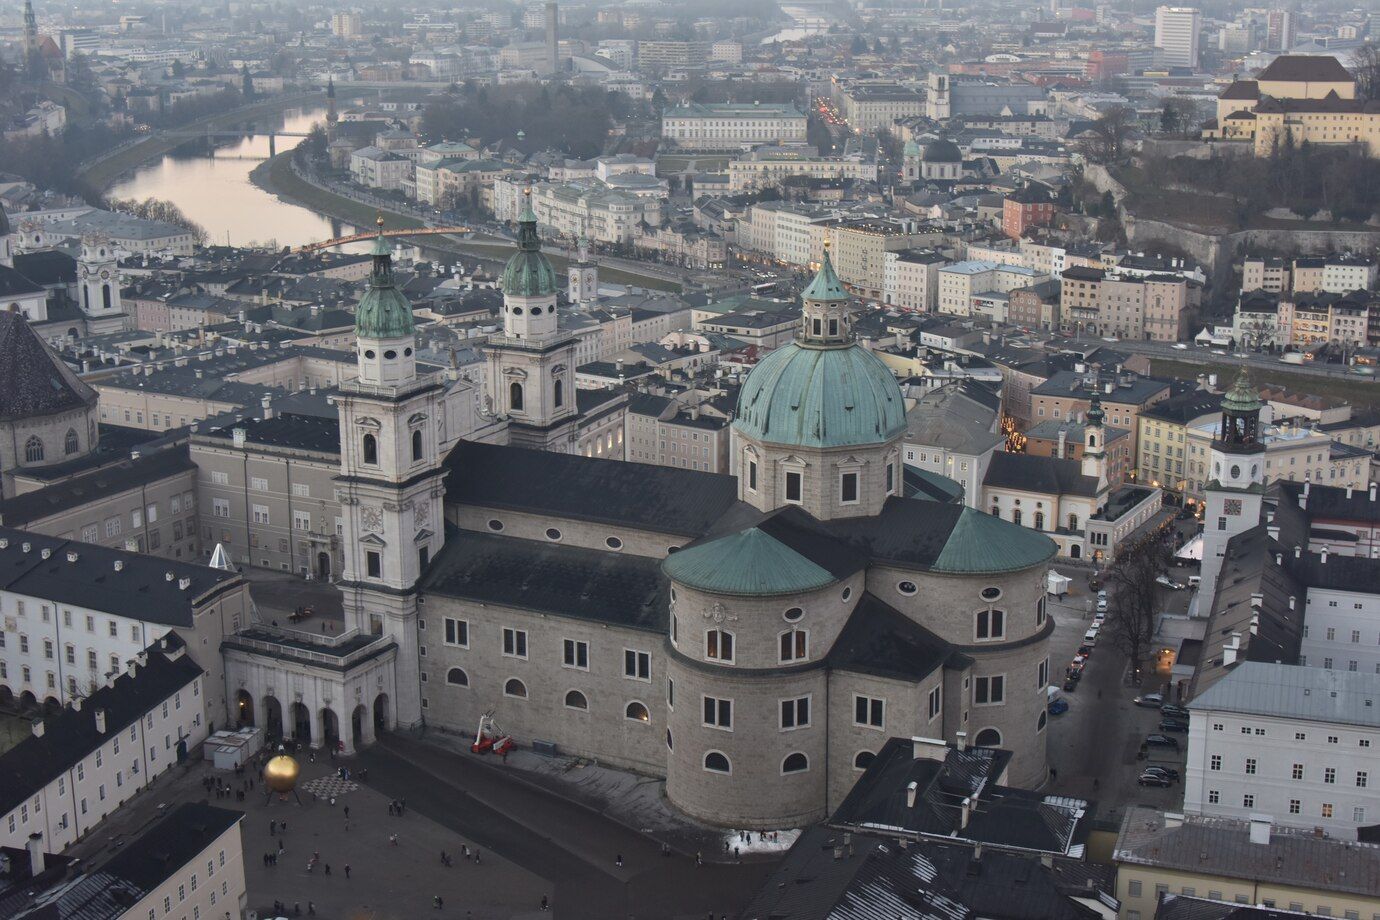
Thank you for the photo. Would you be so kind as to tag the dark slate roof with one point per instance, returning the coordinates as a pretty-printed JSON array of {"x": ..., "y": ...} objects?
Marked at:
[
  {"x": 1310, "y": 68},
  {"x": 14, "y": 283},
  {"x": 1181, "y": 907},
  {"x": 877, "y": 879},
  {"x": 1331, "y": 503},
  {"x": 37, "y": 382},
  {"x": 1000, "y": 815},
  {"x": 881, "y": 641},
  {"x": 107, "y": 891},
  {"x": 1180, "y": 410},
  {"x": 300, "y": 432},
  {"x": 655, "y": 498},
  {"x": 1047, "y": 475},
  {"x": 47, "y": 268},
  {"x": 71, "y": 735},
  {"x": 140, "y": 589},
  {"x": 566, "y": 581},
  {"x": 23, "y": 509},
  {"x": 1241, "y": 89}
]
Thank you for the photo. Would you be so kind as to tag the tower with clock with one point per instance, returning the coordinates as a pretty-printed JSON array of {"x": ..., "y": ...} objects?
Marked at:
[
  {"x": 99, "y": 286},
  {"x": 1235, "y": 490}
]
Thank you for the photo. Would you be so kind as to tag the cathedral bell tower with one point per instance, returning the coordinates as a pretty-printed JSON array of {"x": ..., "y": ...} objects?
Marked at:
[
  {"x": 532, "y": 364},
  {"x": 1235, "y": 489},
  {"x": 391, "y": 479},
  {"x": 1095, "y": 443}
]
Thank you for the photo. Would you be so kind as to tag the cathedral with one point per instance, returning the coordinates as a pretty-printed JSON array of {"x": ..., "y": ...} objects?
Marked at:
[{"x": 753, "y": 639}]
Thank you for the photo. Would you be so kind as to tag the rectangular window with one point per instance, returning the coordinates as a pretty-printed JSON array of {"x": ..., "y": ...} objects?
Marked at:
[
  {"x": 937, "y": 699},
  {"x": 220, "y": 507},
  {"x": 869, "y": 712},
  {"x": 457, "y": 632},
  {"x": 1295, "y": 806},
  {"x": 989, "y": 691},
  {"x": 1297, "y": 772},
  {"x": 795, "y": 645},
  {"x": 991, "y": 624},
  {"x": 1214, "y": 796},
  {"x": 848, "y": 488},
  {"x": 637, "y": 665},
  {"x": 1330, "y": 775},
  {"x": 260, "y": 513},
  {"x": 258, "y": 484},
  {"x": 575, "y": 654},
  {"x": 718, "y": 713},
  {"x": 795, "y": 713},
  {"x": 752, "y": 475},
  {"x": 301, "y": 520},
  {"x": 793, "y": 487},
  {"x": 515, "y": 643},
  {"x": 1250, "y": 766},
  {"x": 220, "y": 478}
]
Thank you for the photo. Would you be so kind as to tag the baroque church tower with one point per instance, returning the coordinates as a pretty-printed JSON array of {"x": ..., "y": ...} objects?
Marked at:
[
  {"x": 391, "y": 478},
  {"x": 532, "y": 364},
  {"x": 1235, "y": 489}
]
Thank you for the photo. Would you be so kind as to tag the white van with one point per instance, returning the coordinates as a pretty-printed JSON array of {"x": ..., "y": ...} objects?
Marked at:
[
  {"x": 1195, "y": 580},
  {"x": 1090, "y": 637}
]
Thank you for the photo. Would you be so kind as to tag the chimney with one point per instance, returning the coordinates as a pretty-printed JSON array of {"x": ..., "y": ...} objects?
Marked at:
[
  {"x": 961, "y": 740},
  {"x": 119, "y": 565},
  {"x": 910, "y": 794},
  {"x": 1348, "y": 492},
  {"x": 1260, "y": 829},
  {"x": 240, "y": 436},
  {"x": 37, "y": 726},
  {"x": 965, "y": 811},
  {"x": 1372, "y": 491},
  {"x": 267, "y": 405},
  {"x": 100, "y": 721},
  {"x": 36, "y": 862},
  {"x": 1231, "y": 649},
  {"x": 1324, "y": 555}
]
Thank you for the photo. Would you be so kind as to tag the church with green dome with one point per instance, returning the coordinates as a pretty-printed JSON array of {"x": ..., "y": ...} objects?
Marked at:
[{"x": 750, "y": 640}]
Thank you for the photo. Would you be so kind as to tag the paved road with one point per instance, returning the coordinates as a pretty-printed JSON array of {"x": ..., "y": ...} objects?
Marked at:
[
  {"x": 1262, "y": 364},
  {"x": 563, "y": 842}
]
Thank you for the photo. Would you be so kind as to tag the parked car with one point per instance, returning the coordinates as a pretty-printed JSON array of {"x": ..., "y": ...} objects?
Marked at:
[
  {"x": 1170, "y": 711},
  {"x": 1173, "y": 725},
  {"x": 1150, "y": 700},
  {"x": 1170, "y": 772},
  {"x": 1150, "y": 778},
  {"x": 1168, "y": 582},
  {"x": 1085, "y": 650},
  {"x": 1059, "y": 707},
  {"x": 1070, "y": 684},
  {"x": 1101, "y": 605},
  {"x": 1156, "y": 740}
]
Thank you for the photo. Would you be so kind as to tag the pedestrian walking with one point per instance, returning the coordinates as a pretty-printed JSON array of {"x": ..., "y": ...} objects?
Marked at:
[
  {"x": 736, "y": 857},
  {"x": 699, "y": 858},
  {"x": 311, "y": 908},
  {"x": 272, "y": 828},
  {"x": 347, "y": 812},
  {"x": 465, "y": 850},
  {"x": 393, "y": 840},
  {"x": 328, "y": 868},
  {"x": 347, "y": 870},
  {"x": 436, "y": 902},
  {"x": 618, "y": 860},
  {"x": 544, "y": 903}
]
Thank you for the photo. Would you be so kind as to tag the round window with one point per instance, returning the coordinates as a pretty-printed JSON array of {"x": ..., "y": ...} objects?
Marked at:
[
  {"x": 906, "y": 587},
  {"x": 672, "y": 549},
  {"x": 551, "y": 309},
  {"x": 517, "y": 311},
  {"x": 847, "y": 593},
  {"x": 390, "y": 354},
  {"x": 1235, "y": 471},
  {"x": 793, "y": 614},
  {"x": 613, "y": 543},
  {"x": 552, "y": 533},
  {"x": 991, "y": 593},
  {"x": 407, "y": 352},
  {"x": 495, "y": 525},
  {"x": 369, "y": 353}
]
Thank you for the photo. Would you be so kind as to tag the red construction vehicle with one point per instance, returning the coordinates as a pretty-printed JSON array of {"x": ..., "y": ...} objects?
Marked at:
[{"x": 489, "y": 738}]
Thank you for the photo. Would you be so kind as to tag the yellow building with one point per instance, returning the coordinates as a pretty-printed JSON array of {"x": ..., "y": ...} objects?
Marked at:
[
  {"x": 1302, "y": 97},
  {"x": 1243, "y": 862}
]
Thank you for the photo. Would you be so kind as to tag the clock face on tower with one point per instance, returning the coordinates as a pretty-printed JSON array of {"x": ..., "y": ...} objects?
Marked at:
[{"x": 105, "y": 273}]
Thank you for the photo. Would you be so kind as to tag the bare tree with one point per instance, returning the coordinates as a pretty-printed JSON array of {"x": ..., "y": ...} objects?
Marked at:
[
  {"x": 1106, "y": 141},
  {"x": 1134, "y": 594},
  {"x": 1367, "y": 70}
]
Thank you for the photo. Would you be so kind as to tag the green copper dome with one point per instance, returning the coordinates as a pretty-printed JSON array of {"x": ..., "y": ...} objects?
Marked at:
[
  {"x": 529, "y": 273},
  {"x": 383, "y": 311},
  {"x": 1242, "y": 397},
  {"x": 826, "y": 285},
  {"x": 808, "y": 396},
  {"x": 751, "y": 563}
]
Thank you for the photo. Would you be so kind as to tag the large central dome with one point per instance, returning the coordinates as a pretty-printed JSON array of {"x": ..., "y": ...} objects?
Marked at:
[{"x": 808, "y": 396}]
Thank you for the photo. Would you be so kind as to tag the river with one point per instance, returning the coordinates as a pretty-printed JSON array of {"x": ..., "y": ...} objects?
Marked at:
[{"x": 217, "y": 193}]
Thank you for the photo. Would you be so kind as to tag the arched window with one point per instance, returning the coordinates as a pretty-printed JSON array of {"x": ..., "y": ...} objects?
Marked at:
[
  {"x": 988, "y": 737},
  {"x": 371, "y": 450},
  {"x": 1015, "y": 515},
  {"x": 996, "y": 510},
  {"x": 795, "y": 645},
  {"x": 86, "y": 298},
  {"x": 576, "y": 700},
  {"x": 863, "y": 759},
  {"x": 417, "y": 445},
  {"x": 558, "y": 393},
  {"x": 1092, "y": 440},
  {"x": 716, "y": 762},
  {"x": 795, "y": 763},
  {"x": 33, "y": 449},
  {"x": 718, "y": 645},
  {"x": 637, "y": 712},
  {"x": 515, "y": 396},
  {"x": 105, "y": 296},
  {"x": 1073, "y": 523},
  {"x": 71, "y": 444},
  {"x": 1039, "y": 520},
  {"x": 515, "y": 688},
  {"x": 457, "y": 677}
]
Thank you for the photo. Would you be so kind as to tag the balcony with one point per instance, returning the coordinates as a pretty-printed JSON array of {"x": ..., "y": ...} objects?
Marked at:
[{"x": 338, "y": 651}]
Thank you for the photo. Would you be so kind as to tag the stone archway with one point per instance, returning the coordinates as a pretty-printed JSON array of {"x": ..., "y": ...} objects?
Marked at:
[
  {"x": 323, "y": 566},
  {"x": 27, "y": 701},
  {"x": 330, "y": 728},
  {"x": 244, "y": 709},
  {"x": 301, "y": 722},
  {"x": 273, "y": 718},
  {"x": 360, "y": 726},
  {"x": 6, "y": 697},
  {"x": 383, "y": 714}
]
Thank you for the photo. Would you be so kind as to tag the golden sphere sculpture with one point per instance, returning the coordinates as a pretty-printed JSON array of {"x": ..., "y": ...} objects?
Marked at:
[{"x": 280, "y": 773}]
